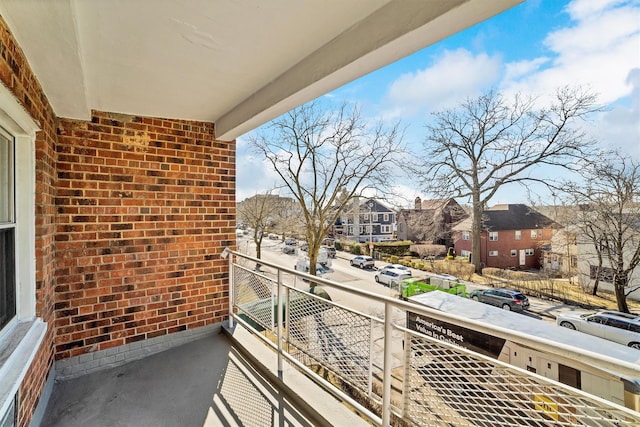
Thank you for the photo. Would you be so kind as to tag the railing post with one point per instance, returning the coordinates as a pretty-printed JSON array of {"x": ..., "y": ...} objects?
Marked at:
[
  {"x": 227, "y": 253},
  {"x": 280, "y": 307},
  {"x": 388, "y": 365}
]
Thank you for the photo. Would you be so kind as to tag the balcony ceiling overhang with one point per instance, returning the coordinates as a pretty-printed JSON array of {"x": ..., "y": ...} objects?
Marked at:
[{"x": 236, "y": 63}]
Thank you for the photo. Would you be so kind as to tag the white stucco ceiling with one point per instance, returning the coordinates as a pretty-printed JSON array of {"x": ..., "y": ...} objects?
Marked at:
[{"x": 238, "y": 63}]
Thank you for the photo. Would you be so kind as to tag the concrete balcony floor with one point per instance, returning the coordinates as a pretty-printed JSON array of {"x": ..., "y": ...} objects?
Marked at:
[{"x": 207, "y": 382}]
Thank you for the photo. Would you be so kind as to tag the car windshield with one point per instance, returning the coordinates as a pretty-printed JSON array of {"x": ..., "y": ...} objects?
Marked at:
[{"x": 519, "y": 297}]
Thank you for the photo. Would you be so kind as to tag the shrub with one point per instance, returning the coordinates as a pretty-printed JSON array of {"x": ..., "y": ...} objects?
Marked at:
[
  {"x": 355, "y": 249},
  {"x": 337, "y": 245}
]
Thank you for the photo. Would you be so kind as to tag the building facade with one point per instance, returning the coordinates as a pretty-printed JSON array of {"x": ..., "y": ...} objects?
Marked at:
[
  {"x": 366, "y": 221},
  {"x": 129, "y": 216},
  {"x": 512, "y": 236},
  {"x": 430, "y": 221}
]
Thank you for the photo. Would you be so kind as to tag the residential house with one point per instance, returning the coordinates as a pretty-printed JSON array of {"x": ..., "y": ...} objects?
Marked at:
[
  {"x": 512, "y": 236},
  {"x": 117, "y": 158},
  {"x": 573, "y": 253},
  {"x": 366, "y": 221},
  {"x": 430, "y": 221}
]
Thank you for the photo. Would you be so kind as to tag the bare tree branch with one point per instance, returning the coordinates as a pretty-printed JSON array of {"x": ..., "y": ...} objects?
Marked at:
[
  {"x": 325, "y": 158},
  {"x": 488, "y": 142}
]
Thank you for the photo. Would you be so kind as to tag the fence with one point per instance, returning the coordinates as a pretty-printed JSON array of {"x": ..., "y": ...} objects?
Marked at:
[{"x": 389, "y": 372}]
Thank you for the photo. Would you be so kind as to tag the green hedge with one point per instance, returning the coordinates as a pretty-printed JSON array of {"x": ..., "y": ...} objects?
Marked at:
[{"x": 397, "y": 249}]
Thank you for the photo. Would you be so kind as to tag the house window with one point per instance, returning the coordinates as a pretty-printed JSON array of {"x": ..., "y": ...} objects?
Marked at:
[
  {"x": 350, "y": 230},
  {"x": 466, "y": 235},
  {"x": 385, "y": 217},
  {"x": 464, "y": 253},
  {"x": 518, "y": 234},
  {"x": 493, "y": 253},
  {"x": 529, "y": 252},
  {"x": 493, "y": 236},
  {"x": 386, "y": 229},
  {"x": 534, "y": 234},
  {"x": 7, "y": 231},
  {"x": 514, "y": 252}
]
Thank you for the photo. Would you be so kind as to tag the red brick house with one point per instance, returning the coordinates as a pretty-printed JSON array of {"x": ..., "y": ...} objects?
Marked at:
[
  {"x": 117, "y": 161},
  {"x": 512, "y": 236}
]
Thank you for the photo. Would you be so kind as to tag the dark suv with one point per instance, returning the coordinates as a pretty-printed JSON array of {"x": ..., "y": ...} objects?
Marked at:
[{"x": 508, "y": 299}]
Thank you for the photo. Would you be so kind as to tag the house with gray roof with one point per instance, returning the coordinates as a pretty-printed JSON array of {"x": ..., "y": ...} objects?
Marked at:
[{"x": 512, "y": 236}]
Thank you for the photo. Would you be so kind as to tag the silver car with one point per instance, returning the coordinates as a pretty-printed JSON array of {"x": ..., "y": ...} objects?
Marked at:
[
  {"x": 362, "y": 261},
  {"x": 623, "y": 328},
  {"x": 392, "y": 277}
]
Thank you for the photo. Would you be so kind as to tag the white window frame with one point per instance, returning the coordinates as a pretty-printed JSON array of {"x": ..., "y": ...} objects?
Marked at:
[
  {"x": 493, "y": 253},
  {"x": 466, "y": 235},
  {"x": 22, "y": 336},
  {"x": 534, "y": 234},
  {"x": 518, "y": 234},
  {"x": 385, "y": 217},
  {"x": 514, "y": 252},
  {"x": 529, "y": 252},
  {"x": 493, "y": 236},
  {"x": 385, "y": 229}
]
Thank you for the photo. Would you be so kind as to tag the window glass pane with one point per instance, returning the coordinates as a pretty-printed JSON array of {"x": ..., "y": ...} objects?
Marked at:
[
  {"x": 7, "y": 278},
  {"x": 6, "y": 179}
]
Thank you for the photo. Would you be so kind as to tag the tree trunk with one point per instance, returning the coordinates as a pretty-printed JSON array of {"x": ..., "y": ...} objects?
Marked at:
[
  {"x": 476, "y": 252},
  {"x": 621, "y": 299},
  {"x": 258, "y": 242}
]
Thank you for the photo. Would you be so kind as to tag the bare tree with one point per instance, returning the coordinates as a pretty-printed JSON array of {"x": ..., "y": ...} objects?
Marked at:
[
  {"x": 608, "y": 218},
  {"x": 258, "y": 212},
  {"x": 288, "y": 219},
  {"x": 488, "y": 142},
  {"x": 325, "y": 158}
]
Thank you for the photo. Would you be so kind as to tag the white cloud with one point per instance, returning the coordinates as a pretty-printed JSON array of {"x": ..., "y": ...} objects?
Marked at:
[
  {"x": 443, "y": 85},
  {"x": 598, "y": 50}
]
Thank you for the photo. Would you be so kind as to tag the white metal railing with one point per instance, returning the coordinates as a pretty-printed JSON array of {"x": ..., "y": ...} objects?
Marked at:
[{"x": 397, "y": 371}]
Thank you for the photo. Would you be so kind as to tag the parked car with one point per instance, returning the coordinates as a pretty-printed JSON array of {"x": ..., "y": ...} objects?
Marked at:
[
  {"x": 508, "y": 299},
  {"x": 623, "y": 328},
  {"x": 289, "y": 249},
  {"x": 290, "y": 241},
  {"x": 362, "y": 261},
  {"x": 392, "y": 277},
  {"x": 273, "y": 236},
  {"x": 331, "y": 251}
]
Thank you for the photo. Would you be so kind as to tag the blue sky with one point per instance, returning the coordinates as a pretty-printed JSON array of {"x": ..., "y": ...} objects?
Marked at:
[{"x": 532, "y": 48}]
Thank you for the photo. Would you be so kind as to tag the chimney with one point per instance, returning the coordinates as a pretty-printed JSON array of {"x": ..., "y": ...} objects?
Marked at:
[{"x": 418, "y": 203}]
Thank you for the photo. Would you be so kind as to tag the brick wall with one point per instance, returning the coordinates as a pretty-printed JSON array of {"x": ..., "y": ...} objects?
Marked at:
[
  {"x": 145, "y": 207},
  {"x": 16, "y": 75},
  {"x": 505, "y": 243},
  {"x": 131, "y": 216}
]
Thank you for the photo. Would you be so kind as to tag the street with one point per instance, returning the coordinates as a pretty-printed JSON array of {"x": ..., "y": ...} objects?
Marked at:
[{"x": 342, "y": 272}]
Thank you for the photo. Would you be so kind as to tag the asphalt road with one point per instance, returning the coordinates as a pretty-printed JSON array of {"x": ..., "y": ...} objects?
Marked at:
[{"x": 342, "y": 272}]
